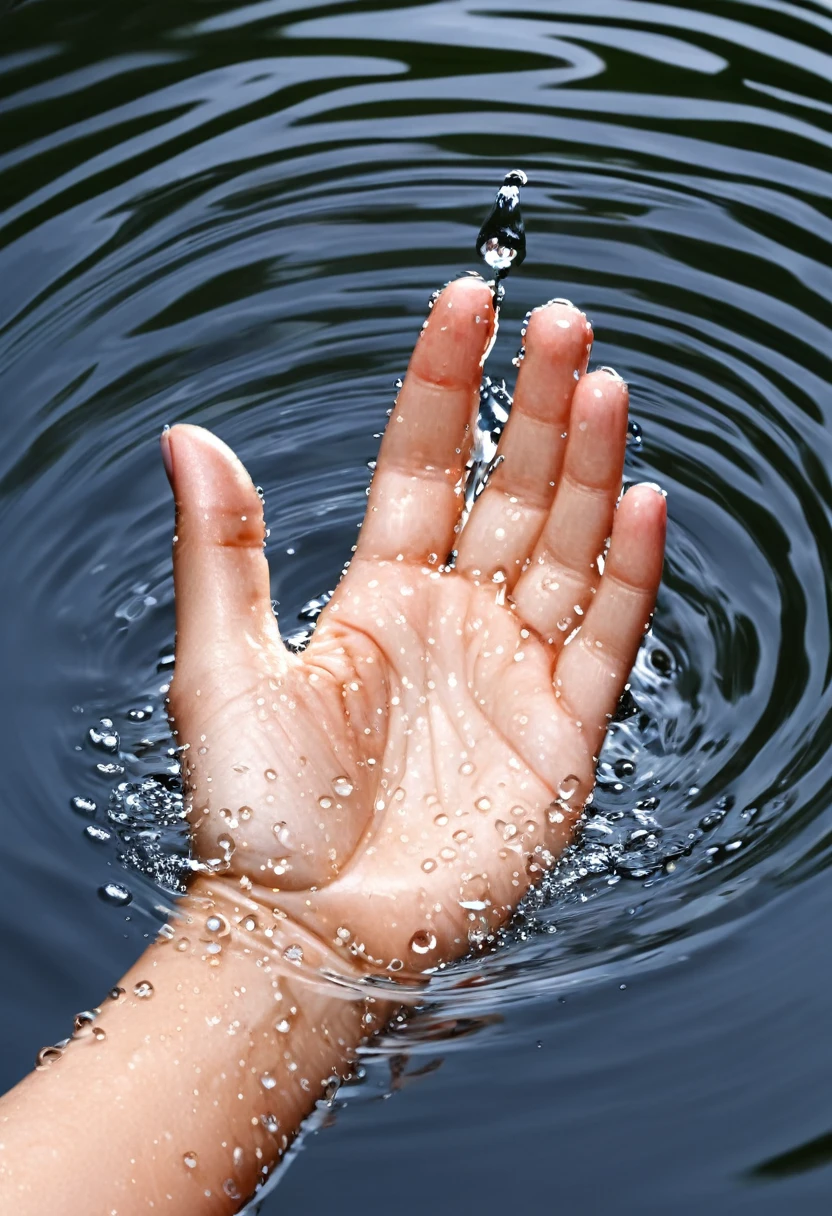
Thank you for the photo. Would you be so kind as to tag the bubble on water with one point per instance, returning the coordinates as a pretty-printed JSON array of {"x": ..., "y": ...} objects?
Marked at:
[
  {"x": 143, "y": 990},
  {"x": 83, "y": 806},
  {"x": 115, "y": 893},
  {"x": 343, "y": 787},
  {"x": 47, "y": 1056},
  {"x": 624, "y": 768},
  {"x": 98, "y": 834},
  {"x": 104, "y": 736},
  {"x": 423, "y": 942},
  {"x": 190, "y": 1160}
]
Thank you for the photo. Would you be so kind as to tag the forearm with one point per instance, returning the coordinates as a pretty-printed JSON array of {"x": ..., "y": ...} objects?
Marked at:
[{"x": 183, "y": 1099}]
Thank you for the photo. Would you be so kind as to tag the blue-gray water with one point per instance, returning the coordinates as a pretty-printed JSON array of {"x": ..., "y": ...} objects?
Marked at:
[{"x": 234, "y": 214}]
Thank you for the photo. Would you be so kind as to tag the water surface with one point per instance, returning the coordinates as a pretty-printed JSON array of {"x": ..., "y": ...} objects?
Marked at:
[{"x": 234, "y": 214}]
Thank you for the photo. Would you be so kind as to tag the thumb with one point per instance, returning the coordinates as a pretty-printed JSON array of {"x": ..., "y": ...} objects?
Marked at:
[{"x": 220, "y": 574}]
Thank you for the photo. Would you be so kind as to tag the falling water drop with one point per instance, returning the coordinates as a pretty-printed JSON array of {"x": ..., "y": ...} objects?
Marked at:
[{"x": 501, "y": 242}]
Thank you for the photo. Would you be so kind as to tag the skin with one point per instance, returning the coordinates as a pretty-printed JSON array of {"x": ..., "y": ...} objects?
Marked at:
[{"x": 376, "y": 806}]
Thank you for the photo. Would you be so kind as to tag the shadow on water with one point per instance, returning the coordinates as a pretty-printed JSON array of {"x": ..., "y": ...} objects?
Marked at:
[{"x": 234, "y": 214}]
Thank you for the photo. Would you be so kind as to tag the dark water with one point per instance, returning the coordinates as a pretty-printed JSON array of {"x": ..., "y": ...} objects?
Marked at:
[{"x": 233, "y": 214}]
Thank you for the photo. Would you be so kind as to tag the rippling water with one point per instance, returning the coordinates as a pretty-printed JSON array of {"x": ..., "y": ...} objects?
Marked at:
[{"x": 234, "y": 215}]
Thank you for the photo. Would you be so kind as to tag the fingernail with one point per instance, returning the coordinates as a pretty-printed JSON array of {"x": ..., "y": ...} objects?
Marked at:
[{"x": 167, "y": 453}]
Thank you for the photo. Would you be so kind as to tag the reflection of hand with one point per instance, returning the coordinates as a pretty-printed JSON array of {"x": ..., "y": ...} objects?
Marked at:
[{"x": 398, "y": 786}]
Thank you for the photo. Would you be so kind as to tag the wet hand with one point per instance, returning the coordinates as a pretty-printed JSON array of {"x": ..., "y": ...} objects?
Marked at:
[{"x": 398, "y": 786}]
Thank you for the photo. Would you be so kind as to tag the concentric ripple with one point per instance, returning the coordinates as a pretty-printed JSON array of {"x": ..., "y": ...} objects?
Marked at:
[{"x": 234, "y": 215}]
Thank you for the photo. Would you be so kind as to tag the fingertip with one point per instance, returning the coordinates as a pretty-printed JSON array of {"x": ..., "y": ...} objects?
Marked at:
[
  {"x": 559, "y": 327},
  {"x": 639, "y": 533},
  {"x": 201, "y": 466}
]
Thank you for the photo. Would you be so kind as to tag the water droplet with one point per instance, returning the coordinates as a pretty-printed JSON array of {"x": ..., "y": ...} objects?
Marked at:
[
  {"x": 82, "y": 1021},
  {"x": 461, "y": 837},
  {"x": 83, "y": 806},
  {"x": 115, "y": 893},
  {"x": 281, "y": 832},
  {"x": 99, "y": 1033},
  {"x": 238, "y": 1156},
  {"x": 143, "y": 990},
  {"x": 441, "y": 819},
  {"x": 422, "y": 942},
  {"x": 250, "y": 924},
  {"x": 624, "y": 768},
  {"x": 271, "y": 1123},
  {"x": 115, "y": 994},
  {"x": 395, "y": 964},
  {"x": 268, "y": 1081},
  {"x": 217, "y": 925},
  {"x": 293, "y": 954},
  {"x": 324, "y": 803},
  {"x": 447, "y": 854},
  {"x": 231, "y": 1189},
  {"x": 227, "y": 844},
  {"x": 182, "y": 944},
  {"x": 190, "y": 1160},
  {"x": 501, "y": 242},
  {"x": 428, "y": 865},
  {"x": 283, "y": 1026},
  {"x": 466, "y": 769},
  {"x": 343, "y": 787},
  {"x": 245, "y": 813},
  {"x": 568, "y": 786},
  {"x": 47, "y": 1056},
  {"x": 483, "y": 804}
]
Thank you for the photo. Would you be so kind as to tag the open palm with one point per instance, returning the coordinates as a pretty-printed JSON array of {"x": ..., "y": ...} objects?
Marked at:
[{"x": 398, "y": 786}]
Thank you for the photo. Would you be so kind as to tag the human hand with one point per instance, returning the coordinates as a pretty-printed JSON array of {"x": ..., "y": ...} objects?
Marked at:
[{"x": 398, "y": 786}]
